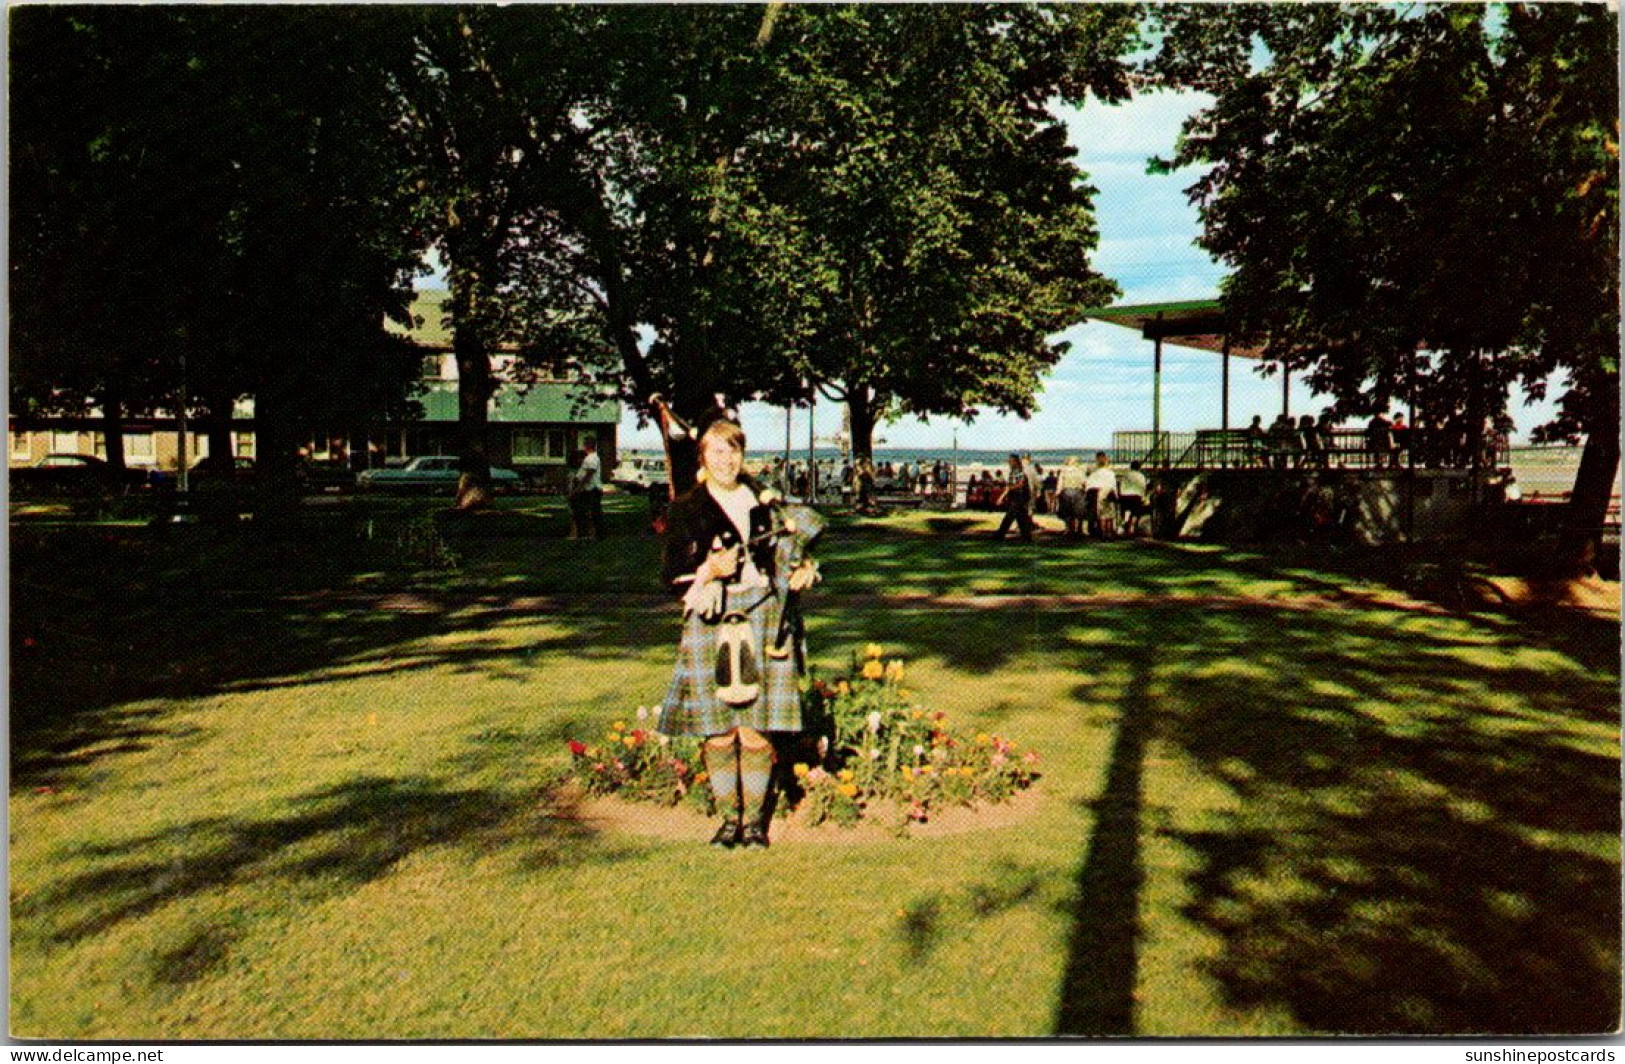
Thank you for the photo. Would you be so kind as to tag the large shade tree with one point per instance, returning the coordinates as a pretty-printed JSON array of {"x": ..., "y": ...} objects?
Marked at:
[
  {"x": 917, "y": 215},
  {"x": 1418, "y": 201},
  {"x": 210, "y": 208}
]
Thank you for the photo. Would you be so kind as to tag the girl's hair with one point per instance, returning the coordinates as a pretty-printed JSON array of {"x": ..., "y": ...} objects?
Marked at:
[{"x": 726, "y": 431}]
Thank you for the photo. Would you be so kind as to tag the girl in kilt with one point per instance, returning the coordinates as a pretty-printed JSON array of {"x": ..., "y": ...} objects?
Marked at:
[{"x": 738, "y": 559}]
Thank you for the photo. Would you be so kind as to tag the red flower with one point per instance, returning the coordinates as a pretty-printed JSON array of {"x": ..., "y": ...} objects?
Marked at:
[
  {"x": 577, "y": 747},
  {"x": 638, "y": 735}
]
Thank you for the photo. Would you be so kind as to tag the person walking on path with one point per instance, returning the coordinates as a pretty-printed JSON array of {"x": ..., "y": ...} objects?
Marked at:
[
  {"x": 739, "y": 558},
  {"x": 587, "y": 496},
  {"x": 1100, "y": 490},
  {"x": 1017, "y": 500},
  {"x": 1070, "y": 504}
]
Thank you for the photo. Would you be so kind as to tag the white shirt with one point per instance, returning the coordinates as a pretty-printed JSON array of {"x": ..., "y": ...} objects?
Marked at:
[
  {"x": 590, "y": 475},
  {"x": 737, "y": 503},
  {"x": 1102, "y": 477}
]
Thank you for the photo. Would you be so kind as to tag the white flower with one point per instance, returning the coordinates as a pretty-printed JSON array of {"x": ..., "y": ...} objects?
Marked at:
[
  {"x": 918, "y": 750},
  {"x": 663, "y": 740},
  {"x": 643, "y": 713},
  {"x": 874, "y": 720},
  {"x": 874, "y": 755}
]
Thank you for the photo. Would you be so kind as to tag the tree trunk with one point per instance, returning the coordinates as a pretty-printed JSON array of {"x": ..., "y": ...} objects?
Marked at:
[
  {"x": 1593, "y": 490},
  {"x": 113, "y": 426},
  {"x": 222, "y": 455},
  {"x": 860, "y": 406},
  {"x": 474, "y": 389},
  {"x": 276, "y": 466}
]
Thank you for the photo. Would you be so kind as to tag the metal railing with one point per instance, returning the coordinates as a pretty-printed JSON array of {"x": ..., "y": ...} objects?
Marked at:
[{"x": 1337, "y": 448}]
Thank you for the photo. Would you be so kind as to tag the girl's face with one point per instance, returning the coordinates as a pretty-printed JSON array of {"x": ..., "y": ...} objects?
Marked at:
[{"x": 722, "y": 463}]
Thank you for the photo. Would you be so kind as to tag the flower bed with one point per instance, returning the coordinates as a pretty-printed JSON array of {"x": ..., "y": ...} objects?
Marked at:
[{"x": 877, "y": 754}]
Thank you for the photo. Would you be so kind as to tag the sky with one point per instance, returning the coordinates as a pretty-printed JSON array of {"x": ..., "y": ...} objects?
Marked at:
[{"x": 1104, "y": 381}]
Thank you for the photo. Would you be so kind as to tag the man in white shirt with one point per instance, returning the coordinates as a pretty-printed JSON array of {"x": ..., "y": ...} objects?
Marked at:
[
  {"x": 587, "y": 495},
  {"x": 1100, "y": 491},
  {"x": 1131, "y": 491}
]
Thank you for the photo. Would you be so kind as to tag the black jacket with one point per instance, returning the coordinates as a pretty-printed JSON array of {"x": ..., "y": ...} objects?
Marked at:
[{"x": 696, "y": 521}]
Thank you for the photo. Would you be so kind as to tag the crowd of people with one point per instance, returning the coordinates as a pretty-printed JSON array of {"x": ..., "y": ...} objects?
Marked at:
[
  {"x": 1383, "y": 443},
  {"x": 1099, "y": 500}
]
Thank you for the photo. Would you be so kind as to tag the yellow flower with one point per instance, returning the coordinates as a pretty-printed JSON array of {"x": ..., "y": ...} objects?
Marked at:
[
  {"x": 982, "y": 739},
  {"x": 619, "y": 725},
  {"x": 801, "y": 771},
  {"x": 894, "y": 670},
  {"x": 873, "y": 650},
  {"x": 702, "y": 777},
  {"x": 849, "y": 789},
  {"x": 873, "y": 670},
  {"x": 843, "y": 688},
  {"x": 613, "y": 737},
  {"x": 918, "y": 714},
  {"x": 846, "y": 775},
  {"x": 925, "y": 770},
  {"x": 908, "y": 773},
  {"x": 629, "y": 741}
]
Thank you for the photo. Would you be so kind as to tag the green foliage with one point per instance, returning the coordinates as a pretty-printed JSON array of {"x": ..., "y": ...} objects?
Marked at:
[
  {"x": 890, "y": 754},
  {"x": 923, "y": 235}
]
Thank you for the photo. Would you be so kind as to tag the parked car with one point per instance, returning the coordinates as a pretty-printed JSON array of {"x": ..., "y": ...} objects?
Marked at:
[
  {"x": 429, "y": 473},
  {"x": 206, "y": 473},
  {"x": 638, "y": 473},
  {"x": 76, "y": 474}
]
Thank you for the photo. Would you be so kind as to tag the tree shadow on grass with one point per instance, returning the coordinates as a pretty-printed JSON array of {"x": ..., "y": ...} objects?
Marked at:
[
  {"x": 1419, "y": 842},
  {"x": 331, "y": 841},
  {"x": 1097, "y": 985},
  {"x": 83, "y": 665}
]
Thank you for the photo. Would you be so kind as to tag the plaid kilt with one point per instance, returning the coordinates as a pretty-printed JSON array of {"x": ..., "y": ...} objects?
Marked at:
[{"x": 691, "y": 706}]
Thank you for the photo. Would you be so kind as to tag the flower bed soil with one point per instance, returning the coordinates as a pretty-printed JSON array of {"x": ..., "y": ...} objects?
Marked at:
[{"x": 617, "y": 817}]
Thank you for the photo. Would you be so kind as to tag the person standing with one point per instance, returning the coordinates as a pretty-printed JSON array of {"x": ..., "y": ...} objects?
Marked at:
[
  {"x": 1131, "y": 491},
  {"x": 1017, "y": 500},
  {"x": 587, "y": 495},
  {"x": 1070, "y": 504},
  {"x": 739, "y": 559},
  {"x": 1100, "y": 489}
]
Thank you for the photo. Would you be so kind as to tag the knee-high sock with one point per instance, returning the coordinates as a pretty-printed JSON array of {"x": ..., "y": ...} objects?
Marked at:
[
  {"x": 721, "y": 756},
  {"x": 755, "y": 772}
]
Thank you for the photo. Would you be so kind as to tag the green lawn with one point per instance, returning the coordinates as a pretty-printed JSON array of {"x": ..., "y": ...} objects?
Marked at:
[{"x": 263, "y": 790}]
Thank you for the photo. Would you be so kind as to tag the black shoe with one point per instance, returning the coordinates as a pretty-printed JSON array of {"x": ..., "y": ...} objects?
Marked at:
[
  {"x": 754, "y": 834},
  {"x": 727, "y": 835}
]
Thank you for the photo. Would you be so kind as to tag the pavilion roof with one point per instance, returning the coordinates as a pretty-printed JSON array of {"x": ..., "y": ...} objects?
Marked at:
[{"x": 1197, "y": 323}]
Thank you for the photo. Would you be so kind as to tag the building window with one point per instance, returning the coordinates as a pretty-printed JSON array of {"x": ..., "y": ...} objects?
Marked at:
[
  {"x": 65, "y": 442},
  {"x": 138, "y": 446},
  {"x": 98, "y": 444},
  {"x": 22, "y": 446},
  {"x": 541, "y": 445},
  {"x": 245, "y": 445}
]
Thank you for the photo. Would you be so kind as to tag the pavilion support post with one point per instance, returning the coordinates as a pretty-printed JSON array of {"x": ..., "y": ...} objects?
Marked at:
[
  {"x": 1224, "y": 404},
  {"x": 1156, "y": 399},
  {"x": 1286, "y": 390},
  {"x": 1156, "y": 391}
]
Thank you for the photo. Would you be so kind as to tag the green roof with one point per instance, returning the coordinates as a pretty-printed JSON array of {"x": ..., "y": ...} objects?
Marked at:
[
  {"x": 1205, "y": 318},
  {"x": 545, "y": 401}
]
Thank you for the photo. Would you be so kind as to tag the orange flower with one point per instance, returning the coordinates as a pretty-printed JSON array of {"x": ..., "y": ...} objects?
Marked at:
[
  {"x": 873, "y": 650},
  {"x": 873, "y": 670},
  {"x": 849, "y": 789}
]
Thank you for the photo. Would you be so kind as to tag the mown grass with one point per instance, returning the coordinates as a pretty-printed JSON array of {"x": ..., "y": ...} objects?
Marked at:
[{"x": 269, "y": 790}]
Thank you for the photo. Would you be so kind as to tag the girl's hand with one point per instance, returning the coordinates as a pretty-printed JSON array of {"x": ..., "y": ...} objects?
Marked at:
[
  {"x": 804, "y": 576},
  {"x": 721, "y": 564}
]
